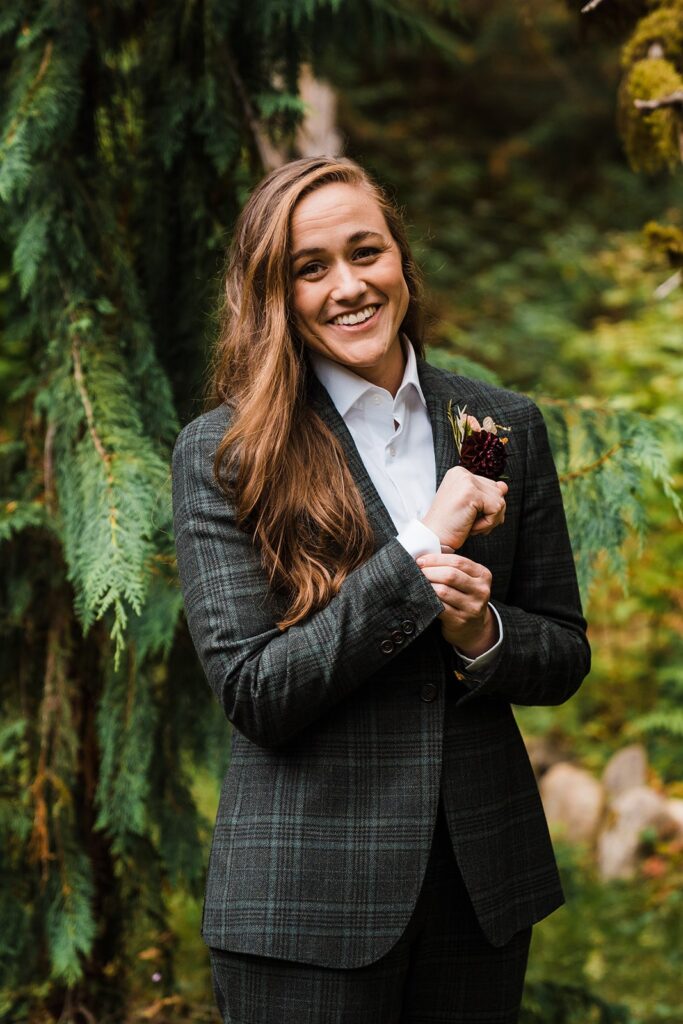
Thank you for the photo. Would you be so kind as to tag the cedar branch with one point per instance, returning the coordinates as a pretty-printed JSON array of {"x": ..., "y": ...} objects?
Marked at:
[
  {"x": 585, "y": 470},
  {"x": 30, "y": 92},
  {"x": 96, "y": 439},
  {"x": 87, "y": 404}
]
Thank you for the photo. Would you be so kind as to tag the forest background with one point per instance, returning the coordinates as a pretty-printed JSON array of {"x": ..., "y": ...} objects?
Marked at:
[{"x": 131, "y": 134}]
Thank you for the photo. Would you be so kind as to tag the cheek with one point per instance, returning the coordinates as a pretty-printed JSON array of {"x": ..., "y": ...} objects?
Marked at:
[
  {"x": 395, "y": 284},
  {"x": 302, "y": 301},
  {"x": 404, "y": 298}
]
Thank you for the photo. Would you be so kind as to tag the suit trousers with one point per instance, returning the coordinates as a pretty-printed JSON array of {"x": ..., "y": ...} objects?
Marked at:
[{"x": 442, "y": 969}]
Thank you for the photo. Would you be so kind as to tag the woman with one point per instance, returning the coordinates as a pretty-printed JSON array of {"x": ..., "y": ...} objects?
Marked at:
[{"x": 365, "y": 610}]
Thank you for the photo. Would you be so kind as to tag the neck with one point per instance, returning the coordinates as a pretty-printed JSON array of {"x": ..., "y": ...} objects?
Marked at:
[{"x": 390, "y": 374}]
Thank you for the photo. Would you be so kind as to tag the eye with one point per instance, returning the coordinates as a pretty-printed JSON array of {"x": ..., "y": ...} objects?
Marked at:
[
  {"x": 312, "y": 269},
  {"x": 367, "y": 252}
]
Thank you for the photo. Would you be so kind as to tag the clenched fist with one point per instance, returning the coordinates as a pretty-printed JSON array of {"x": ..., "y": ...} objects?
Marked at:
[{"x": 465, "y": 505}]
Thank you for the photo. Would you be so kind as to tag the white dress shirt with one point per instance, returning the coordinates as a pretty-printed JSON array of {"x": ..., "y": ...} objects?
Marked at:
[{"x": 394, "y": 439}]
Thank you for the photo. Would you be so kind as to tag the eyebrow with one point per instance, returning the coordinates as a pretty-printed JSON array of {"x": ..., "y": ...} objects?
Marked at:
[{"x": 357, "y": 236}]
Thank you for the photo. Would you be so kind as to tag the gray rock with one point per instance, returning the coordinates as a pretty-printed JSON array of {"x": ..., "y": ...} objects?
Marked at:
[
  {"x": 573, "y": 801},
  {"x": 631, "y": 813},
  {"x": 625, "y": 770},
  {"x": 675, "y": 810}
]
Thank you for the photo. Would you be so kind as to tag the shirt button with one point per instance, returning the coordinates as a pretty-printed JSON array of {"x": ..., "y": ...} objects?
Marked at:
[
  {"x": 376, "y": 399},
  {"x": 397, "y": 637},
  {"x": 386, "y": 647},
  {"x": 408, "y": 627},
  {"x": 428, "y": 692},
  {"x": 392, "y": 451}
]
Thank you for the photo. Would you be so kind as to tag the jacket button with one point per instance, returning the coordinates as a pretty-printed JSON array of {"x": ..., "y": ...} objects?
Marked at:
[
  {"x": 386, "y": 647},
  {"x": 397, "y": 637},
  {"x": 408, "y": 627},
  {"x": 428, "y": 692}
]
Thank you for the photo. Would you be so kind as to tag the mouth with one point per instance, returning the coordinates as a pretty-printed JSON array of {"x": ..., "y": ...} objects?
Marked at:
[{"x": 358, "y": 319}]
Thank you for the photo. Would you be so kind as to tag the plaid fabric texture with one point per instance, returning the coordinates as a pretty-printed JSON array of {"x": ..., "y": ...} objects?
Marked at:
[
  {"x": 348, "y": 725},
  {"x": 442, "y": 970}
]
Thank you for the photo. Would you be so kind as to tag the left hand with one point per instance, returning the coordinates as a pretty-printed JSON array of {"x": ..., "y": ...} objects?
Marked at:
[{"x": 464, "y": 588}]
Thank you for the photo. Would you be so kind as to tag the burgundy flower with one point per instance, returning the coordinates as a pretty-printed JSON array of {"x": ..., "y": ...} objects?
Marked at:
[{"x": 484, "y": 454}]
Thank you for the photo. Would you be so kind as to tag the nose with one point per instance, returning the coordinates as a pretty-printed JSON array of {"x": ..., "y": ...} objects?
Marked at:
[{"x": 348, "y": 283}]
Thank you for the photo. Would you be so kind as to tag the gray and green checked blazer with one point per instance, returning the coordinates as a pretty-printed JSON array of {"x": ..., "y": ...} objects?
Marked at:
[{"x": 347, "y": 725}]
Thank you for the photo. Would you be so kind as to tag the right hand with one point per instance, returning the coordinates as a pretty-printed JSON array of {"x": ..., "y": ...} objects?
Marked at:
[{"x": 465, "y": 505}]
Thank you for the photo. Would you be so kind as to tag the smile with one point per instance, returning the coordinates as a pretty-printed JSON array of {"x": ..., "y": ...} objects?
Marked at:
[{"x": 361, "y": 316}]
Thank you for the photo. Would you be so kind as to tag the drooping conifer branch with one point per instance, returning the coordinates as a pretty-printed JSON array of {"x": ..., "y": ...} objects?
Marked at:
[
  {"x": 87, "y": 404},
  {"x": 30, "y": 93},
  {"x": 592, "y": 466}
]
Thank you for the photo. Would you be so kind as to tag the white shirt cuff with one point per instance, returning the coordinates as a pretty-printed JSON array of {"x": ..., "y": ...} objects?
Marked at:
[
  {"x": 418, "y": 539},
  {"x": 483, "y": 659}
]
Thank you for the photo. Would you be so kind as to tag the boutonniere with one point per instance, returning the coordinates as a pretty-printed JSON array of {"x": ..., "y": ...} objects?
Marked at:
[{"x": 480, "y": 448}]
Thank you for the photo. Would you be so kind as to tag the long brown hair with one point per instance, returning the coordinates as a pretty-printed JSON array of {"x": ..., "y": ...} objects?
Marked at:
[{"x": 280, "y": 465}]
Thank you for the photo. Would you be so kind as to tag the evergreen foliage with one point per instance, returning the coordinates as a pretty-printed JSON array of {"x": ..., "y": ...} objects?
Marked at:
[
  {"x": 129, "y": 137},
  {"x": 603, "y": 454},
  {"x": 529, "y": 226}
]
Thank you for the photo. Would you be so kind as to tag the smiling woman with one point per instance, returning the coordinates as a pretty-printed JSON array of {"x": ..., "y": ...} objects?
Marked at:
[
  {"x": 366, "y": 610},
  {"x": 349, "y": 293}
]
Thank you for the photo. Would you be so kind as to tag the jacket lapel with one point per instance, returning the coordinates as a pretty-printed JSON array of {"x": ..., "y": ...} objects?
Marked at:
[
  {"x": 380, "y": 520},
  {"x": 437, "y": 396}
]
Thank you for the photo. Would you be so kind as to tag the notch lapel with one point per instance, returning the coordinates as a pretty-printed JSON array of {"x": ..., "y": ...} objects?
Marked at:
[{"x": 437, "y": 396}]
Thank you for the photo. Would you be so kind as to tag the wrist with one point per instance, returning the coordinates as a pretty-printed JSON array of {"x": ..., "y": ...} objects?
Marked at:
[
  {"x": 477, "y": 642},
  {"x": 445, "y": 539}
]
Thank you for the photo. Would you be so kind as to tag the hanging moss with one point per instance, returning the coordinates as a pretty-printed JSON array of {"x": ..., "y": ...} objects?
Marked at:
[
  {"x": 665, "y": 27},
  {"x": 651, "y": 138}
]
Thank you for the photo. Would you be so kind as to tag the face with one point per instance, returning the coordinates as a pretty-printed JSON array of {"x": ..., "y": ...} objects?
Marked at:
[{"x": 349, "y": 292}]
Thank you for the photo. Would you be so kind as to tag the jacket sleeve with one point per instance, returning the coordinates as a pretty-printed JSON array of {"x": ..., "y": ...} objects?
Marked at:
[
  {"x": 272, "y": 683},
  {"x": 544, "y": 654}
]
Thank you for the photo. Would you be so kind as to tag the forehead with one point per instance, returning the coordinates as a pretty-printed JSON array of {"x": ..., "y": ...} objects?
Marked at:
[{"x": 335, "y": 211}]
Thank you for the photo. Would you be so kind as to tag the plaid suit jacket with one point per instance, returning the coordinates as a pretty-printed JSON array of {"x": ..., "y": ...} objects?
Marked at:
[{"x": 347, "y": 725}]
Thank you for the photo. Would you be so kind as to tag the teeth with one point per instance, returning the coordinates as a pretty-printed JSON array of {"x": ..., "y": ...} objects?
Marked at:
[{"x": 348, "y": 319}]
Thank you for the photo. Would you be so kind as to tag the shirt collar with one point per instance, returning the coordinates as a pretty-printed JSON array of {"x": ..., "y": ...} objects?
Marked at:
[{"x": 346, "y": 388}]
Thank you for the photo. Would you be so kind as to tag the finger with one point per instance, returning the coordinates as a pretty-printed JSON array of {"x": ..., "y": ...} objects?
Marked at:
[
  {"x": 451, "y": 577},
  {"x": 490, "y": 518},
  {"x": 486, "y": 525},
  {"x": 453, "y": 600},
  {"x": 491, "y": 504},
  {"x": 465, "y": 606},
  {"x": 465, "y": 565}
]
